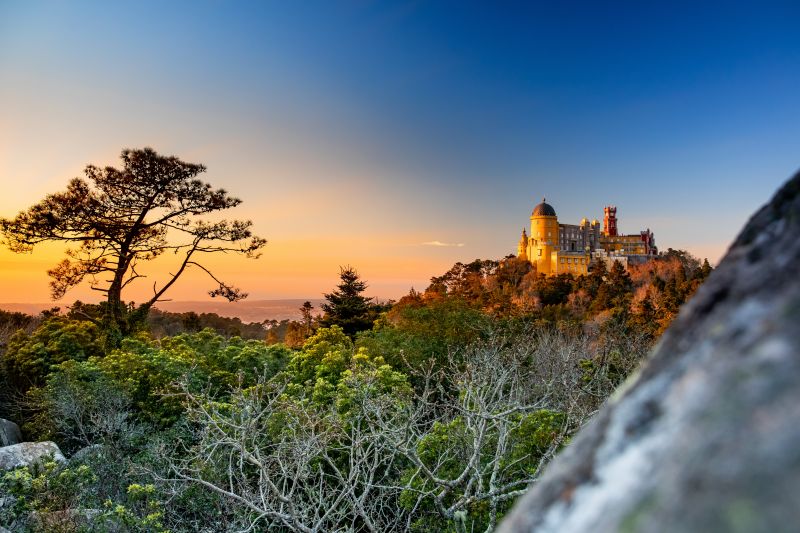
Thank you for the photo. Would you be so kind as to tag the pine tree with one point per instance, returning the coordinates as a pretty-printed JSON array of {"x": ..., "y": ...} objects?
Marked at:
[
  {"x": 705, "y": 270},
  {"x": 346, "y": 306},
  {"x": 308, "y": 319},
  {"x": 120, "y": 219}
]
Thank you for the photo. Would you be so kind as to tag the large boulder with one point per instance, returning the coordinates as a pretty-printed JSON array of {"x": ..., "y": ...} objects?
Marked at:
[
  {"x": 9, "y": 433},
  {"x": 28, "y": 453},
  {"x": 707, "y": 437}
]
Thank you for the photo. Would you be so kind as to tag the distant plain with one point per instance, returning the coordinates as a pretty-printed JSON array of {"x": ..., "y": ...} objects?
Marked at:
[{"x": 245, "y": 310}]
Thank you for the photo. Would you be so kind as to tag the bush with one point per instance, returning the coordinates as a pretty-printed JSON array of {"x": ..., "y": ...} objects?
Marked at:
[
  {"x": 30, "y": 358},
  {"x": 146, "y": 369}
]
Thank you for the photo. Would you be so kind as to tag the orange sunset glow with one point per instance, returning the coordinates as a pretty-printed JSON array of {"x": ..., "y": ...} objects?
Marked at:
[{"x": 442, "y": 164}]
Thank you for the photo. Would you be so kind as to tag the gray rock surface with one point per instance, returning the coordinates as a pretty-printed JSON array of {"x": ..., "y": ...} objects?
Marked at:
[
  {"x": 28, "y": 453},
  {"x": 9, "y": 433},
  {"x": 87, "y": 453},
  {"x": 707, "y": 437}
]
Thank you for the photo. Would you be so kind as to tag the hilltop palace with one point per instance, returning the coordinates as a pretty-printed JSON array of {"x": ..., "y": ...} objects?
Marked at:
[{"x": 571, "y": 248}]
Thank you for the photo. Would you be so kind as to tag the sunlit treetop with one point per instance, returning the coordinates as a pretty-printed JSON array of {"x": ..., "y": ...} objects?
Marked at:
[{"x": 116, "y": 219}]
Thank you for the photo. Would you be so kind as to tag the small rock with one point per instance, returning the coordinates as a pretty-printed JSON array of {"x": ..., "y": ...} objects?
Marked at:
[
  {"x": 7, "y": 501},
  {"x": 86, "y": 453},
  {"x": 9, "y": 433},
  {"x": 28, "y": 453}
]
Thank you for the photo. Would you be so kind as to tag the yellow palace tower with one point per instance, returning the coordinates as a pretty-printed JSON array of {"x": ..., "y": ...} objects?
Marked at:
[
  {"x": 544, "y": 232},
  {"x": 545, "y": 249}
]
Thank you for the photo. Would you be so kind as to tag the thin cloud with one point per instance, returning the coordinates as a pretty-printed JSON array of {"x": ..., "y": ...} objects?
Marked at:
[{"x": 447, "y": 244}]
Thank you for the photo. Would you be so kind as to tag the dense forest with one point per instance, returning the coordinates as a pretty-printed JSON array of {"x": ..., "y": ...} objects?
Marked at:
[{"x": 432, "y": 413}]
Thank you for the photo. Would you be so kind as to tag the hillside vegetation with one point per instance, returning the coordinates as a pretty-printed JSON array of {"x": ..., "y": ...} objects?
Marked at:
[{"x": 429, "y": 414}]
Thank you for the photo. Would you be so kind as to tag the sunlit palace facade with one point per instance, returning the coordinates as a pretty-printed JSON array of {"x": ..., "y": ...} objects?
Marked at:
[{"x": 571, "y": 248}]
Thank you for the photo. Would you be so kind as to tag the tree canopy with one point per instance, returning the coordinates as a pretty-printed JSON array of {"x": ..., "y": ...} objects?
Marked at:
[
  {"x": 434, "y": 419},
  {"x": 346, "y": 306},
  {"x": 114, "y": 220}
]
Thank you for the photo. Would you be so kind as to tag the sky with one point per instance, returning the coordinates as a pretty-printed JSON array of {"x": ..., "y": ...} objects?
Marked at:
[{"x": 401, "y": 137}]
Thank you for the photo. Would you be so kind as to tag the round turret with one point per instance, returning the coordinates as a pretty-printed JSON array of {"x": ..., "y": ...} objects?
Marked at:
[
  {"x": 543, "y": 210},
  {"x": 522, "y": 247}
]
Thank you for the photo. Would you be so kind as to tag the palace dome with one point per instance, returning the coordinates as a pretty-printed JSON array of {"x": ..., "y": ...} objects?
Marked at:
[{"x": 543, "y": 210}]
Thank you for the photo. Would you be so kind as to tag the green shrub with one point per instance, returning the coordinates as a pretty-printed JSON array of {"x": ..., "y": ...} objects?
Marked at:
[{"x": 31, "y": 358}]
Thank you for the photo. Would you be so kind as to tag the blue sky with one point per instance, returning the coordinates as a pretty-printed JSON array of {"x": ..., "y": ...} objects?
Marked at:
[{"x": 356, "y": 131}]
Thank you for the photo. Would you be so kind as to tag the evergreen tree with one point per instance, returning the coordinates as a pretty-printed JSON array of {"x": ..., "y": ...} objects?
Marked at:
[
  {"x": 308, "y": 318},
  {"x": 705, "y": 270},
  {"x": 596, "y": 278},
  {"x": 346, "y": 306},
  {"x": 295, "y": 334},
  {"x": 620, "y": 282}
]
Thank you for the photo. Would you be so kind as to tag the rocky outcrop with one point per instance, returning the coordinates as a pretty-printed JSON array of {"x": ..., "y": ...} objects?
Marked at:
[
  {"x": 28, "y": 453},
  {"x": 707, "y": 437},
  {"x": 9, "y": 433}
]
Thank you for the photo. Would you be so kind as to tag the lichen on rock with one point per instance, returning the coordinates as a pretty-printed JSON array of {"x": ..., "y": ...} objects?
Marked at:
[{"x": 28, "y": 453}]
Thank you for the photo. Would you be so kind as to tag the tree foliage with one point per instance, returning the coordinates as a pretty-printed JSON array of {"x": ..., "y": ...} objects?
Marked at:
[
  {"x": 30, "y": 358},
  {"x": 435, "y": 419},
  {"x": 147, "y": 369},
  {"x": 347, "y": 307},
  {"x": 114, "y": 220}
]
